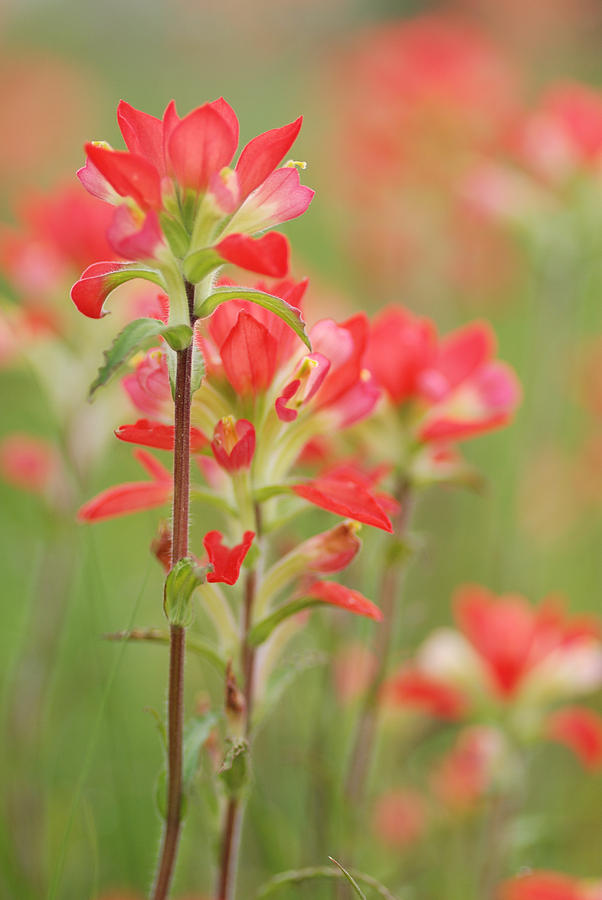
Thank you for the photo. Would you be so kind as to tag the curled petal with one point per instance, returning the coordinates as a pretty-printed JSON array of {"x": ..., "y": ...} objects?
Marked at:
[
  {"x": 98, "y": 280},
  {"x": 155, "y": 434},
  {"x": 347, "y": 497},
  {"x": 226, "y": 562},
  {"x": 201, "y": 144},
  {"x": 338, "y": 595},
  {"x": 129, "y": 174},
  {"x": 261, "y": 155},
  {"x": 266, "y": 255},
  {"x": 580, "y": 729}
]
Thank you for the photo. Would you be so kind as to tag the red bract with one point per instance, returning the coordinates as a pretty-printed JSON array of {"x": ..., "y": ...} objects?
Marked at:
[
  {"x": 580, "y": 729},
  {"x": 347, "y": 496},
  {"x": 413, "y": 688},
  {"x": 338, "y": 595},
  {"x": 233, "y": 444},
  {"x": 401, "y": 346},
  {"x": 132, "y": 496},
  {"x": 157, "y": 435},
  {"x": 226, "y": 562}
]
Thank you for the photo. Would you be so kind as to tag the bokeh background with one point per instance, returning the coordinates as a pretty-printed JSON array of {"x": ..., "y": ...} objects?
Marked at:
[{"x": 433, "y": 198}]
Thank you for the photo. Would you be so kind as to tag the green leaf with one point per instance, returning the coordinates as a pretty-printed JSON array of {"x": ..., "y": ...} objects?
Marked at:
[
  {"x": 298, "y": 876},
  {"x": 181, "y": 581},
  {"x": 349, "y": 878},
  {"x": 263, "y": 629},
  {"x": 277, "y": 305},
  {"x": 133, "y": 337},
  {"x": 234, "y": 770},
  {"x": 196, "y": 732},
  {"x": 201, "y": 263},
  {"x": 194, "y": 644}
]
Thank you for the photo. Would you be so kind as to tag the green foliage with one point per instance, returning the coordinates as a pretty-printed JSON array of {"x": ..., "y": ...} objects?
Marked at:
[
  {"x": 234, "y": 771},
  {"x": 135, "y": 336}
]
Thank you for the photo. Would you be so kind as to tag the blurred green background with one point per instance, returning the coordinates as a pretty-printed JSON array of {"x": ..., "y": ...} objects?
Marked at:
[{"x": 79, "y": 754}]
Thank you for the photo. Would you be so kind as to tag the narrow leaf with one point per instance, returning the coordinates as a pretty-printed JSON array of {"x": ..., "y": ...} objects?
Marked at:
[
  {"x": 196, "y": 732},
  {"x": 277, "y": 305},
  {"x": 263, "y": 629},
  {"x": 298, "y": 876},
  {"x": 194, "y": 644},
  {"x": 349, "y": 878}
]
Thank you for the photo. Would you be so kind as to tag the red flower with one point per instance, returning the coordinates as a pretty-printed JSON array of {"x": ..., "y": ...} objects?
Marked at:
[
  {"x": 27, "y": 462},
  {"x": 543, "y": 885},
  {"x": 413, "y": 688},
  {"x": 581, "y": 730},
  {"x": 512, "y": 637},
  {"x": 148, "y": 386},
  {"x": 132, "y": 496},
  {"x": 338, "y": 595},
  {"x": 401, "y": 346},
  {"x": 188, "y": 159},
  {"x": 155, "y": 434},
  {"x": 226, "y": 562},
  {"x": 564, "y": 133},
  {"x": 331, "y": 550},
  {"x": 233, "y": 444},
  {"x": 457, "y": 387},
  {"x": 465, "y": 773},
  {"x": 399, "y": 818},
  {"x": 347, "y": 496}
]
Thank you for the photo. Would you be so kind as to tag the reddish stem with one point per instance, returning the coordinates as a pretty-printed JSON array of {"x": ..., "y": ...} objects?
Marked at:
[{"x": 177, "y": 634}]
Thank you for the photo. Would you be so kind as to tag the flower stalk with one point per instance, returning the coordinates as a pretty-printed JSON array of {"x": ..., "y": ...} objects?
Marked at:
[
  {"x": 366, "y": 730},
  {"x": 177, "y": 633}
]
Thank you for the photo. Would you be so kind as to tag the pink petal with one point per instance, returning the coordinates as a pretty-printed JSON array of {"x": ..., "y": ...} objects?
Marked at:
[
  {"x": 133, "y": 240},
  {"x": 143, "y": 134},
  {"x": 338, "y": 595}
]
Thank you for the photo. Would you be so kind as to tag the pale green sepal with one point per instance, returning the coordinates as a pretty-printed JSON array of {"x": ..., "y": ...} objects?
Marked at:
[
  {"x": 234, "y": 771},
  {"x": 176, "y": 235},
  {"x": 178, "y": 336},
  {"x": 181, "y": 581}
]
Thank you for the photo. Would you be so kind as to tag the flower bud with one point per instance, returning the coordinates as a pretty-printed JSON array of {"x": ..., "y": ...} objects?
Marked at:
[
  {"x": 331, "y": 550},
  {"x": 233, "y": 444}
]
